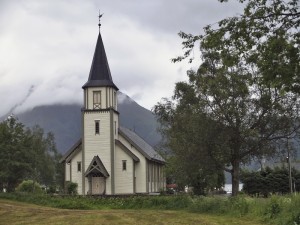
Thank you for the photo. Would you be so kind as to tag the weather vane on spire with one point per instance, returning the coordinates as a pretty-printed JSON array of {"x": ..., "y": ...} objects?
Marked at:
[{"x": 100, "y": 15}]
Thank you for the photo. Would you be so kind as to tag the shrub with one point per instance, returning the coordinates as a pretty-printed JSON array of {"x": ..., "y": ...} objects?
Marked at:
[
  {"x": 296, "y": 219},
  {"x": 71, "y": 188},
  {"x": 51, "y": 189},
  {"x": 215, "y": 205},
  {"x": 29, "y": 186},
  {"x": 268, "y": 181},
  {"x": 273, "y": 208},
  {"x": 239, "y": 205}
]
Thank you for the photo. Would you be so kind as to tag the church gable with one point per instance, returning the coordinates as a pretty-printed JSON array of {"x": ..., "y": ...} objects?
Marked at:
[
  {"x": 96, "y": 167},
  {"x": 142, "y": 146},
  {"x": 127, "y": 151},
  {"x": 69, "y": 155}
]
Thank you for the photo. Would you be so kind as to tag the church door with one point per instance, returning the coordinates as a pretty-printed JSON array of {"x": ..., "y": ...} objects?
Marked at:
[{"x": 98, "y": 185}]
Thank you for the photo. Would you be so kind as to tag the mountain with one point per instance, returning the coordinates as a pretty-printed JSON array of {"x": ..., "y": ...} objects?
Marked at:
[{"x": 65, "y": 121}]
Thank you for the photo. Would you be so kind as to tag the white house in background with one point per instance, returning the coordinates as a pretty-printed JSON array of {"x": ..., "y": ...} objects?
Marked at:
[{"x": 109, "y": 159}]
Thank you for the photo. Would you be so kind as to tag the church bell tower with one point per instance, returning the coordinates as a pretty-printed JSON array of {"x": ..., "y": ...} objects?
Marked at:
[{"x": 100, "y": 122}]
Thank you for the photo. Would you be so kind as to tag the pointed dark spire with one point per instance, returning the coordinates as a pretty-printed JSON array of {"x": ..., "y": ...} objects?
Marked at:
[{"x": 100, "y": 73}]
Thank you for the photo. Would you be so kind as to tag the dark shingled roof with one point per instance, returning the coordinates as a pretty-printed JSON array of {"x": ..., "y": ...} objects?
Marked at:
[
  {"x": 100, "y": 73},
  {"x": 140, "y": 145}
]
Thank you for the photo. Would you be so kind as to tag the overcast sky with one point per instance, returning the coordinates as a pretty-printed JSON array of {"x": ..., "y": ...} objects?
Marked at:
[{"x": 46, "y": 46}]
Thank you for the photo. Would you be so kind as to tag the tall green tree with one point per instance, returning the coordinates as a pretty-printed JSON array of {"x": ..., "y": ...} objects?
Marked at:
[
  {"x": 235, "y": 117},
  {"x": 248, "y": 82},
  {"x": 43, "y": 154},
  {"x": 27, "y": 154},
  {"x": 266, "y": 36},
  {"x": 14, "y": 163},
  {"x": 186, "y": 134}
]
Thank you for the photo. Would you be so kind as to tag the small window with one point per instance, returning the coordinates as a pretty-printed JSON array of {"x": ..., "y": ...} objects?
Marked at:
[
  {"x": 97, "y": 127},
  {"x": 115, "y": 127},
  {"x": 97, "y": 99},
  {"x": 78, "y": 166},
  {"x": 123, "y": 164},
  {"x": 114, "y": 100}
]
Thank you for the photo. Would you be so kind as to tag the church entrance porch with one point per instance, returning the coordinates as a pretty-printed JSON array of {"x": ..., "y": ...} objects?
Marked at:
[{"x": 96, "y": 174}]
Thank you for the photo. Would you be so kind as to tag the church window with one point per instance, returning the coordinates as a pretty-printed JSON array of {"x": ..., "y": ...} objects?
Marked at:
[
  {"x": 78, "y": 166},
  {"x": 97, "y": 127},
  {"x": 97, "y": 99},
  {"x": 123, "y": 164},
  {"x": 114, "y": 100},
  {"x": 115, "y": 127}
]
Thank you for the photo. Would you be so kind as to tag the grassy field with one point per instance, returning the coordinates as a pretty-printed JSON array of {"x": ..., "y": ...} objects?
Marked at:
[{"x": 13, "y": 212}]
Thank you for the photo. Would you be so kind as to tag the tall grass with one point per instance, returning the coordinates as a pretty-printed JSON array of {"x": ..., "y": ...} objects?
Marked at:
[{"x": 283, "y": 210}]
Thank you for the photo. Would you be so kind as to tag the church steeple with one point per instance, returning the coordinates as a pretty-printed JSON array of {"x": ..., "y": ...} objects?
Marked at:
[{"x": 100, "y": 73}]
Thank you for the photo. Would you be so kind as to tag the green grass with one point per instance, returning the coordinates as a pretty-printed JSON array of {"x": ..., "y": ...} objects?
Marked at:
[
  {"x": 281, "y": 210},
  {"x": 15, "y": 213}
]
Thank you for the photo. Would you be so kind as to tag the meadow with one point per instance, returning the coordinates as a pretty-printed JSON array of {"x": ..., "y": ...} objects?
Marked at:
[{"x": 21, "y": 208}]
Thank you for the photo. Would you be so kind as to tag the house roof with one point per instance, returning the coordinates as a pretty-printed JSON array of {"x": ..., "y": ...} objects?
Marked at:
[
  {"x": 141, "y": 145},
  {"x": 100, "y": 73},
  {"x": 70, "y": 153}
]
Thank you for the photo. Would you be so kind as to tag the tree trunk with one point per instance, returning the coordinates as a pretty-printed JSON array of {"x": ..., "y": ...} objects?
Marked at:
[{"x": 235, "y": 175}]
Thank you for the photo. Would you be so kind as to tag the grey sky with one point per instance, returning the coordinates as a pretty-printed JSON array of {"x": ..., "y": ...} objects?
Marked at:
[{"x": 46, "y": 47}]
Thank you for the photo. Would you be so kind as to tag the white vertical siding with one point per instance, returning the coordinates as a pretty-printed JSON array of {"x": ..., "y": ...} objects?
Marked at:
[
  {"x": 140, "y": 167},
  {"x": 98, "y": 144},
  {"x": 124, "y": 179},
  {"x": 76, "y": 176},
  {"x": 156, "y": 178},
  {"x": 140, "y": 173},
  {"x": 67, "y": 172}
]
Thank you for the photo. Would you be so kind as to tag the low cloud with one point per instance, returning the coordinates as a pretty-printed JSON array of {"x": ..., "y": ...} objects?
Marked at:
[{"x": 49, "y": 45}]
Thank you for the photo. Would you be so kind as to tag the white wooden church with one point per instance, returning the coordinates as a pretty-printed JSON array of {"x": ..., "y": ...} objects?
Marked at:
[{"x": 109, "y": 159}]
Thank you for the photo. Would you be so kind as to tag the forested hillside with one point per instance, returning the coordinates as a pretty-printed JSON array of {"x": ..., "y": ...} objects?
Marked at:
[{"x": 65, "y": 121}]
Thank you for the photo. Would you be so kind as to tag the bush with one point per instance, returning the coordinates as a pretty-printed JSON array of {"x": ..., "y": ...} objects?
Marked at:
[
  {"x": 274, "y": 207},
  {"x": 268, "y": 181},
  {"x": 239, "y": 205},
  {"x": 51, "y": 189},
  {"x": 29, "y": 186},
  {"x": 71, "y": 188}
]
